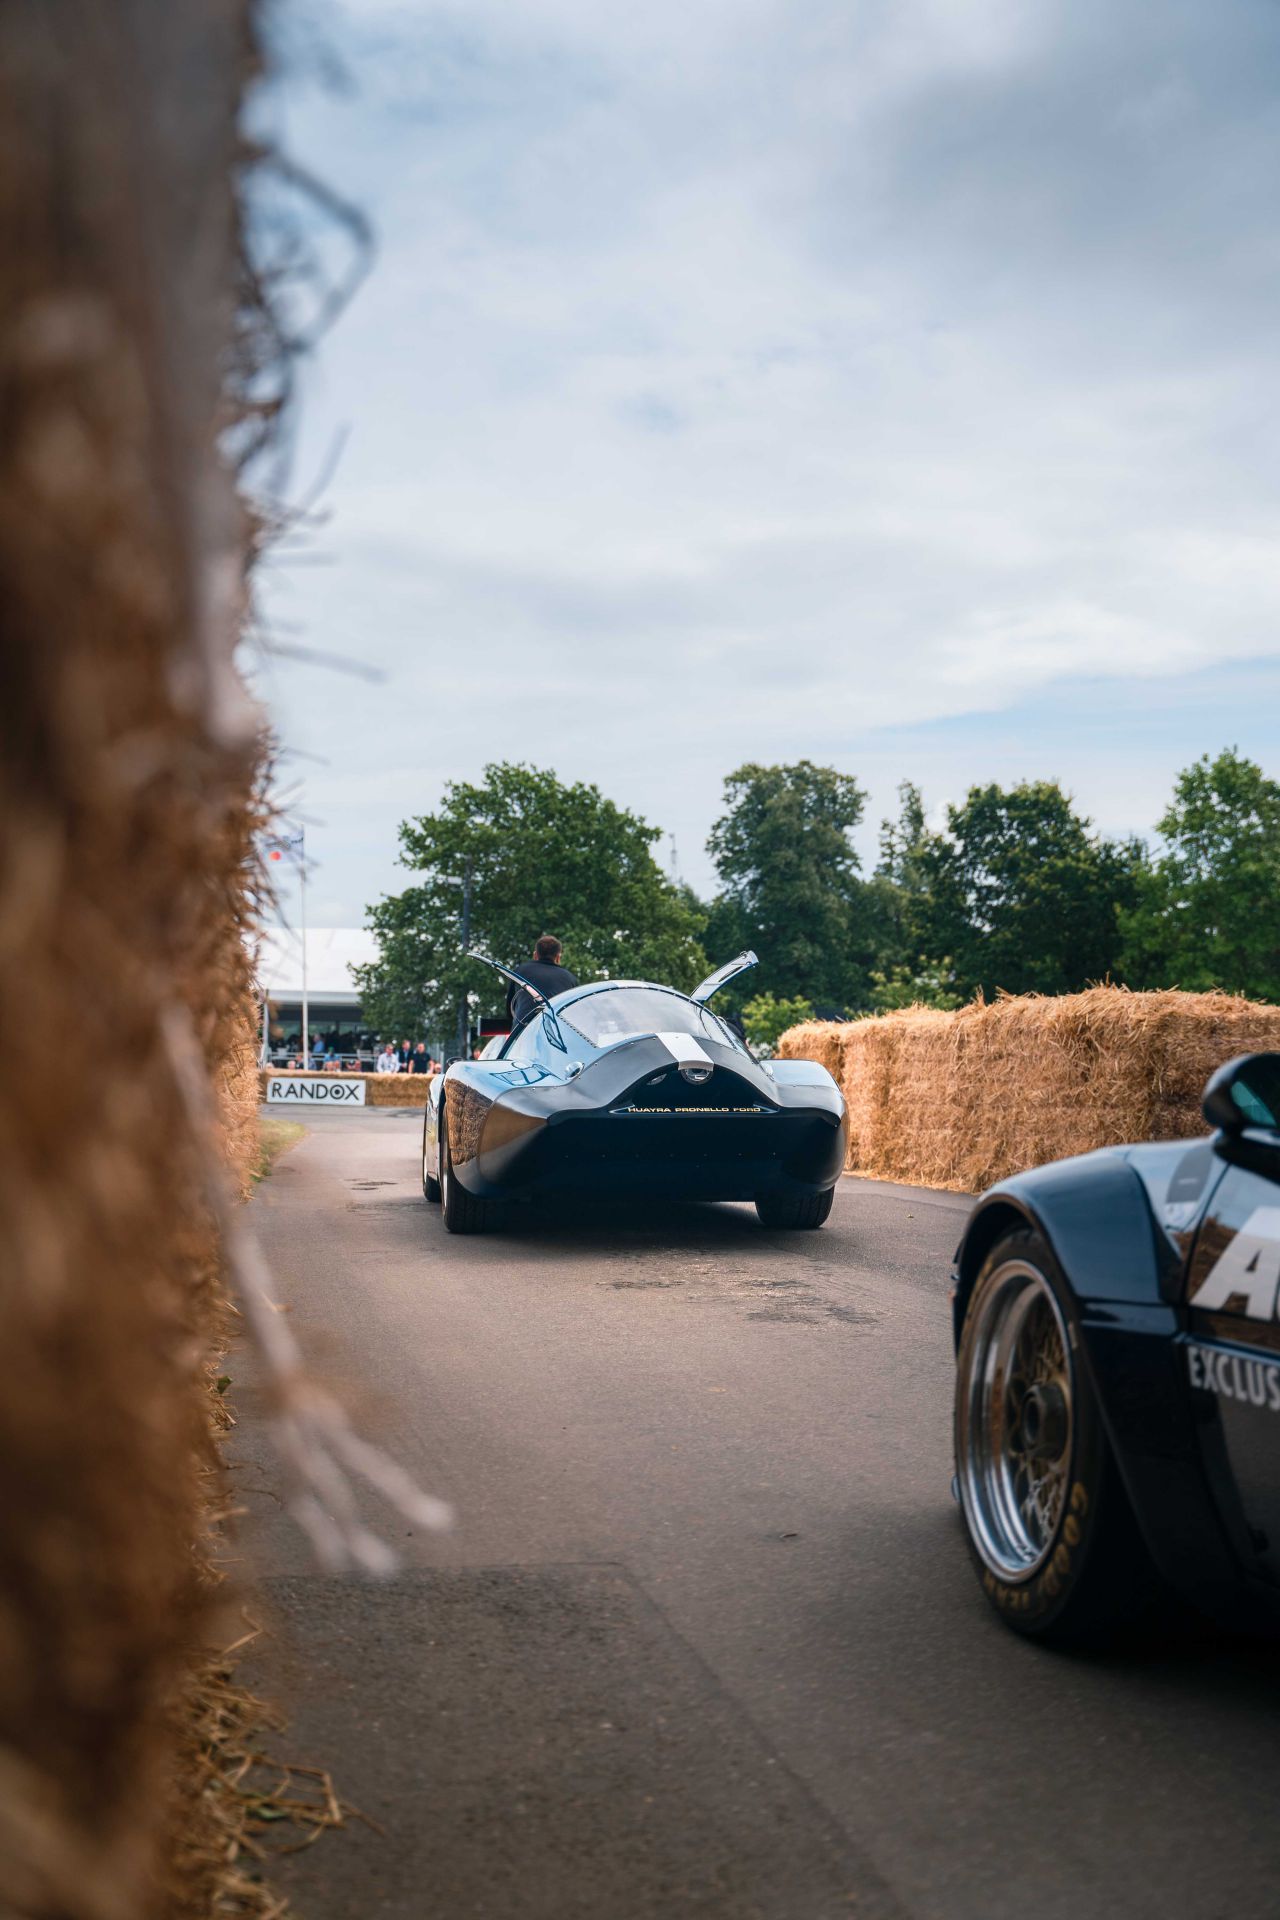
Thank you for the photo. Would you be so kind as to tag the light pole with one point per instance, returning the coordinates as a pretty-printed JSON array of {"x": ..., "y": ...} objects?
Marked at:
[
  {"x": 466, "y": 944},
  {"x": 302, "y": 915},
  {"x": 452, "y": 880},
  {"x": 277, "y": 847}
]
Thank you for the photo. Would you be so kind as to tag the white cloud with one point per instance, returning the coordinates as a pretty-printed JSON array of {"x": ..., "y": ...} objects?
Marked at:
[{"x": 737, "y": 379}]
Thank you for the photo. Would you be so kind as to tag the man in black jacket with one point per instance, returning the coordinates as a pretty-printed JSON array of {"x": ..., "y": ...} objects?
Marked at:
[{"x": 545, "y": 973}]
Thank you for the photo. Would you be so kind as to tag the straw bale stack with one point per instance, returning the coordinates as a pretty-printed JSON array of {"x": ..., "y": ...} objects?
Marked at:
[
  {"x": 398, "y": 1089},
  {"x": 820, "y": 1040},
  {"x": 963, "y": 1099}
]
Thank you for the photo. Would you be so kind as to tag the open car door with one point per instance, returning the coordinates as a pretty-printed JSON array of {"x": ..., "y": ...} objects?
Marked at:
[{"x": 722, "y": 976}]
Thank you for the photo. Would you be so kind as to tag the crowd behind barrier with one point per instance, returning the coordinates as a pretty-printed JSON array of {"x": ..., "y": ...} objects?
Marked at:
[{"x": 334, "y": 1053}]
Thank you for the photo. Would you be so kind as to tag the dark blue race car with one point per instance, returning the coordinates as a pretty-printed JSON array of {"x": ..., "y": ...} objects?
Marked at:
[
  {"x": 630, "y": 1088},
  {"x": 1117, "y": 1412}
]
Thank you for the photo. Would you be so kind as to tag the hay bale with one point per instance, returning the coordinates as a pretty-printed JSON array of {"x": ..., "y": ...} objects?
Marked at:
[
  {"x": 127, "y": 756},
  {"x": 963, "y": 1099},
  {"x": 820, "y": 1040},
  {"x": 398, "y": 1089}
]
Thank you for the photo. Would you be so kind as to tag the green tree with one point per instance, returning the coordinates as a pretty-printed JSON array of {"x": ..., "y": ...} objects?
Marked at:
[
  {"x": 766, "y": 1018},
  {"x": 790, "y": 877},
  {"x": 1022, "y": 895},
  {"x": 897, "y": 904},
  {"x": 545, "y": 858},
  {"x": 1207, "y": 912},
  {"x": 927, "y": 986}
]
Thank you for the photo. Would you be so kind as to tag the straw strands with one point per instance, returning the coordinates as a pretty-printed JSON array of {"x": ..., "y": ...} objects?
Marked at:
[
  {"x": 130, "y": 795},
  {"x": 963, "y": 1099}
]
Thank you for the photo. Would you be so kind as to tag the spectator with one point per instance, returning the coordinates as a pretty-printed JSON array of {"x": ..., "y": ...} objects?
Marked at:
[
  {"x": 420, "y": 1060},
  {"x": 545, "y": 973},
  {"x": 404, "y": 1053},
  {"x": 318, "y": 1051},
  {"x": 388, "y": 1060}
]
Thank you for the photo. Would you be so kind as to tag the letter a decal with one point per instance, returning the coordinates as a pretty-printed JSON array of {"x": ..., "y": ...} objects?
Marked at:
[{"x": 1249, "y": 1270}]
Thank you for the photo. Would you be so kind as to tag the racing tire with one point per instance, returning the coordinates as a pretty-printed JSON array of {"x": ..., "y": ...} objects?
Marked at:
[
  {"x": 785, "y": 1210},
  {"x": 461, "y": 1211},
  {"x": 1048, "y": 1522},
  {"x": 430, "y": 1181}
]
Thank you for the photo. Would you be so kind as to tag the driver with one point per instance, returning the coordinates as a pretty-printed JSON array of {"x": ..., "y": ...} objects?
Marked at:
[{"x": 545, "y": 973}]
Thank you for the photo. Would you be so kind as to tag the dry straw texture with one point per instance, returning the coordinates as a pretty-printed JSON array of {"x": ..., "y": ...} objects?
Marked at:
[
  {"x": 127, "y": 754},
  {"x": 963, "y": 1099}
]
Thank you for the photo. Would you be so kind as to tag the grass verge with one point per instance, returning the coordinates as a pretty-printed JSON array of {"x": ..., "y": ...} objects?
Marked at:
[{"x": 275, "y": 1136}]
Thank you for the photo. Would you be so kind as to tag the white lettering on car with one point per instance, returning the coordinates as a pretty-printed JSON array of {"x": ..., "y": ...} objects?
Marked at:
[
  {"x": 1233, "y": 1376},
  {"x": 1248, "y": 1270}
]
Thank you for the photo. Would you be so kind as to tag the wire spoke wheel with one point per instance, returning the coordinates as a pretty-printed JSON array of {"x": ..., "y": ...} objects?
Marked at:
[{"x": 1016, "y": 1421}]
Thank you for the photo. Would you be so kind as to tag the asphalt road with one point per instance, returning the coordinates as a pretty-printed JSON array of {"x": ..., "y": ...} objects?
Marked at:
[{"x": 705, "y": 1640}]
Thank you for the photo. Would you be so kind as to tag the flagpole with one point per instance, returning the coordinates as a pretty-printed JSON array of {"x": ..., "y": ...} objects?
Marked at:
[{"x": 302, "y": 889}]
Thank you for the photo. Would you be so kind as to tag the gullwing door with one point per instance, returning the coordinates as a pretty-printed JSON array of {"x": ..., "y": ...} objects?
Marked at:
[{"x": 722, "y": 976}]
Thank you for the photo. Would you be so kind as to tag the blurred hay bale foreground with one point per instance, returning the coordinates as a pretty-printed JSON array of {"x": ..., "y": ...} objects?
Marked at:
[
  {"x": 964, "y": 1099},
  {"x": 127, "y": 757}
]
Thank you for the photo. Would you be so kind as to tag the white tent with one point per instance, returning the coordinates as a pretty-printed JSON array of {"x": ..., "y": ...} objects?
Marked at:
[
  {"x": 331, "y": 954},
  {"x": 322, "y": 995}
]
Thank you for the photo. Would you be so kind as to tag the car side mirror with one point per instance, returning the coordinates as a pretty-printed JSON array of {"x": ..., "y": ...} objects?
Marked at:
[{"x": 1244, "y": 1092}]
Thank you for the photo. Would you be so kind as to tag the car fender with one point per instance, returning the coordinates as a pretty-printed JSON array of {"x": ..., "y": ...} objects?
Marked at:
[{"x": 1095, "y": 1213}]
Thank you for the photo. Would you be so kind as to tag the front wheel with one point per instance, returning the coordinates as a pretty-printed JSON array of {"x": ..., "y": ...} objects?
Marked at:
[
  {"x": 1049, "y": 1524},
  {"x": 786, "y": 1210}
]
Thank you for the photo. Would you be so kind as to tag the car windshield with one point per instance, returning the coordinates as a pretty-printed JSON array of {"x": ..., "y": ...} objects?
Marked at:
[{"x": 622, "y": 1013}]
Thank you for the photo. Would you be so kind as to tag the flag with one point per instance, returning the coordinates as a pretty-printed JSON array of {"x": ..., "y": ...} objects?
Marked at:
[{"x": 277, "y": 845}]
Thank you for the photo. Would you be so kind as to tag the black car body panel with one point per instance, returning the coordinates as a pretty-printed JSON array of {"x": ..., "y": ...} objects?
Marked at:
[
  {"x": 683, "y": 1113},
  {"x": 1190, "y": 1396}
]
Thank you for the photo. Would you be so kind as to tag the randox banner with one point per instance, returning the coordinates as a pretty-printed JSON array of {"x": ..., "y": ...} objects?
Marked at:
[{"x": 318, "y": 1090}]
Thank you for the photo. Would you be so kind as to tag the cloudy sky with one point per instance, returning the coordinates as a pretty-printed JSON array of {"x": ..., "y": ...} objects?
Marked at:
[{"x": 891, "y": 382}]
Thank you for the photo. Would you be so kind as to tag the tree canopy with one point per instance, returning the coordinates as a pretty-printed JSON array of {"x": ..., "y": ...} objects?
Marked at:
[
  {"x": 1021, "y": 895},
  {"x": 790, "y": 875},
  {"x": 546, "y": 857},
  {"x": 766, "y": 1018},
  {"x": 1016, "y": 892},
  {"x": 1207, "y": 909}
]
